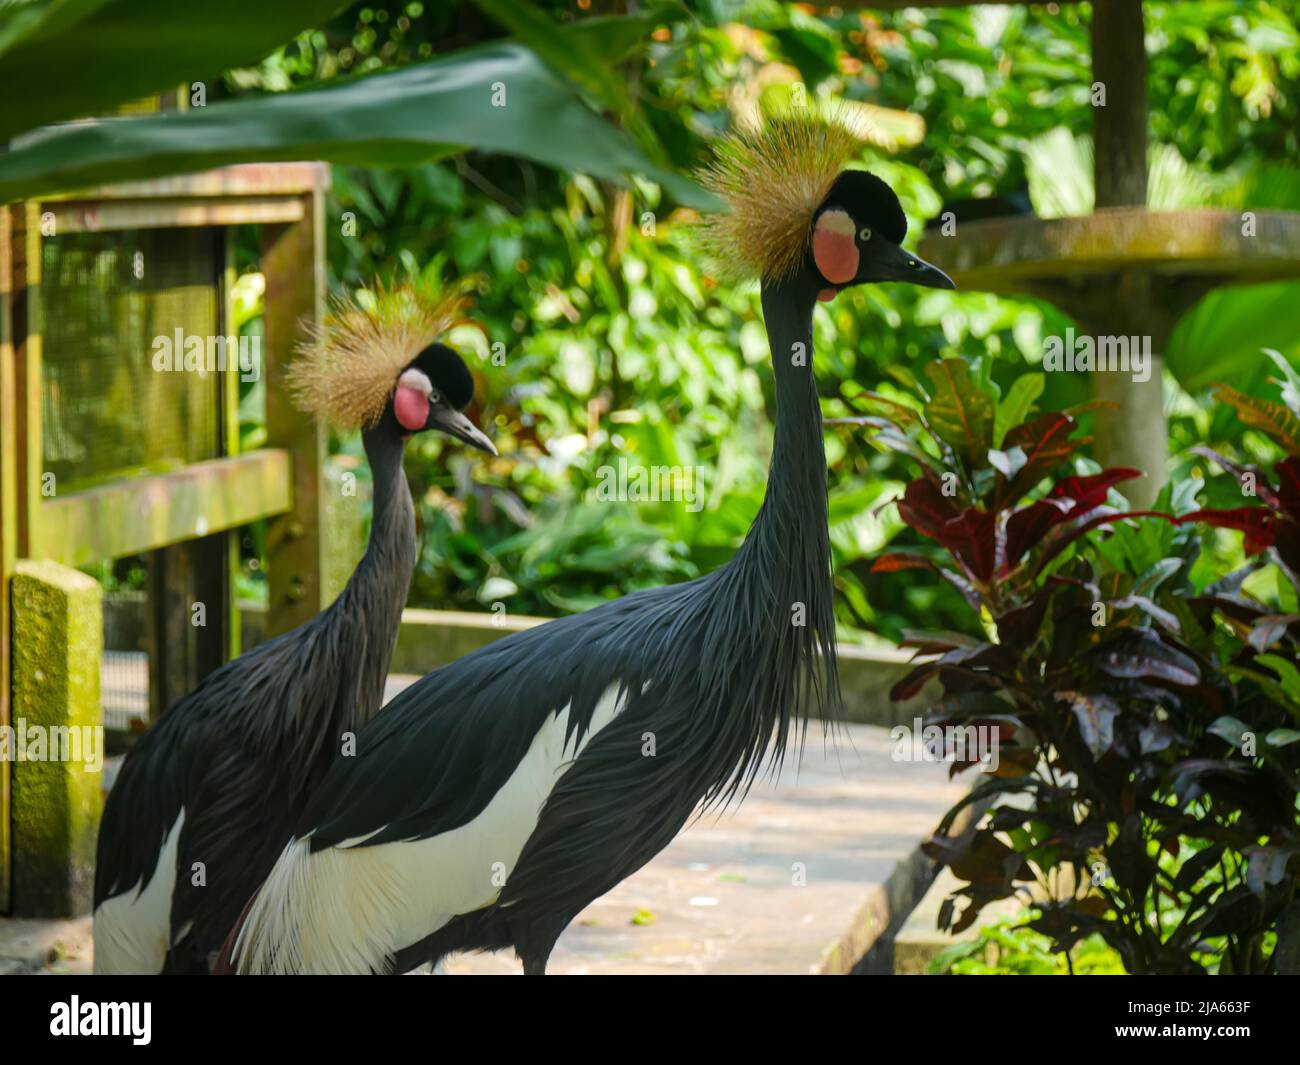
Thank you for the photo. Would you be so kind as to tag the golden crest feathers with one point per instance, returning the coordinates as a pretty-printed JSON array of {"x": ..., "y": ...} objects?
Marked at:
[
  {"x": 347, "y": 368},
  {"x": 773, "y": 178}
]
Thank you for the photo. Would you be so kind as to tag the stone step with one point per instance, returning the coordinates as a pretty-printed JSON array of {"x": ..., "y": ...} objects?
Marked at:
[
  {"x": 36, "y": 945},
  {"x": 920, "y": 941}
]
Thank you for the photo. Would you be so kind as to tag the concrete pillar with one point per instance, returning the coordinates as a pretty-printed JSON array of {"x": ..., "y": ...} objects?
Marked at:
[
  {"x": 1119, "y": 129},
  {"x": 57, "y": 738},
  {"x": 1135, "y": 434}
]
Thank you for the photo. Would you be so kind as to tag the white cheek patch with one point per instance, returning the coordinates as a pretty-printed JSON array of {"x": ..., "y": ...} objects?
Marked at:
[{"x": 416, "y": 380}]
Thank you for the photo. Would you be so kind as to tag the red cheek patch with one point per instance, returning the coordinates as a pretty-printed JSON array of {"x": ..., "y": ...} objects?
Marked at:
[
  {"x": 411, "y": 408},
  {"x": 834, "y": 250}
]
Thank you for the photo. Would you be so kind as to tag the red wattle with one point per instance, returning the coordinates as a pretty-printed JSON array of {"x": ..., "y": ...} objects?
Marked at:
[
  {"x": 835, "y": 253},
  {"x": 411, "y": 408}
]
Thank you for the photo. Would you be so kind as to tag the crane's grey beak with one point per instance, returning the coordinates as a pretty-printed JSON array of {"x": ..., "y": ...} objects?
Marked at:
[
  {"x": 453, "y": 423},
  {"x": 893, "y": 262}
]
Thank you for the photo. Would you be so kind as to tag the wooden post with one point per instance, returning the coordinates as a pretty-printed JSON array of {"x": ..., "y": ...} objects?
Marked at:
[
  {"x": 229, "y": 420},
  {"x": 8, "y": 524},
  {"x": 182, "y": 578},
  {"x": 20, "y": 456},
  {"x": 191, "y": 585},
  {"x": 25, "y": 311},
  {"x": 1136, "y": 433},
  {"x": 293, "y": 260}
]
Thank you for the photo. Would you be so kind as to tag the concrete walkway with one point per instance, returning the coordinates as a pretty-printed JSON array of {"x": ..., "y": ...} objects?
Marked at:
[
  {"x": 37, "y": 946},
  {"x": 802, "y": 877},
  {"x": 799, "y": 878}
]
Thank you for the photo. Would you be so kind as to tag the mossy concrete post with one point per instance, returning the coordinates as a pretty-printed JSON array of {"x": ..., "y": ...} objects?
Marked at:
[{"x": 57, "y": 739}]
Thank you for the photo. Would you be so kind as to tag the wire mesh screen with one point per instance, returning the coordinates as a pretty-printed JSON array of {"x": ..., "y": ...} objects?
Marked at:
[
  {"x": 124, "y": 675},
  {"x": 114, "y": 303}
]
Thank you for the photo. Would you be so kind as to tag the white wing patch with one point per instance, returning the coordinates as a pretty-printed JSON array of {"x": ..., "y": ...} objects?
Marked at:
[
  {"x": 132, "y": 930},
  {"x": 349, "y": 909}
]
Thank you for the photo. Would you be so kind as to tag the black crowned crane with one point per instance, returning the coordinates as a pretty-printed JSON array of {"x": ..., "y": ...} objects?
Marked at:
[
  {"x": 498, "y": 796},
  {"x": 223, "y": 777}
]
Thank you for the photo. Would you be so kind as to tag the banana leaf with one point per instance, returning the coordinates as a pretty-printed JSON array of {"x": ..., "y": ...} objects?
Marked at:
[
  {"x": 578, "y": 59},
  {"x": 71, "y": 59},
  {"x": 1222, "y": 339},
  {"x": 26, "y": 21},
  {"x": 415, "y": 115}
]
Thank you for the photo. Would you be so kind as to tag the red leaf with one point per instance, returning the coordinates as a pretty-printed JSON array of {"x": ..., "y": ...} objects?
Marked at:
[
  {"x": 915, "y": 680},
  {"x": 1258, "y": 523},
  {"x": 1070, "y": 498},
  {"x": 972, "y": 538},
  {"x": 1286, "y": 542},
  {"x": 968, "y": 534},
  {"x": 1288, "y": 472},
  {"x": 894, "y": 563},
  {"x": 925, "y": 508},
  {"x": 1018, "y": 628},
  {"x": 1046, "y": 443},
  {"x": 1089, "y": 493},
  {"x": 1144, "y": 654},
  {"x": 1028, "y": 525}
]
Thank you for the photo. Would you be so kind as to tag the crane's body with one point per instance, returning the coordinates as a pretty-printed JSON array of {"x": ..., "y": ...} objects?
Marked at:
[
  {"x": 498, "y": 796},
  {"x": 267, "y": 725},
  {"x": 206, "y": 799}
]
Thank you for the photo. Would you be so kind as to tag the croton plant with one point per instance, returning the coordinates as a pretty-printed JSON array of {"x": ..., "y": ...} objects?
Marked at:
[{"x": 1148, "y": 772}]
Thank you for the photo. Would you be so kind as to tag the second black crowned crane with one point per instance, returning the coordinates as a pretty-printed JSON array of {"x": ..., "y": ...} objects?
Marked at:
[
  {"x": 206, "y": 800},
  {"x": 498, "y": 796}
]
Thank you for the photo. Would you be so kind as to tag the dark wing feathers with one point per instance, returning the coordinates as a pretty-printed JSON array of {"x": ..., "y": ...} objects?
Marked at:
[
  {"x": 443, "y": 748},
  {"x": 239, "y": 754},
  {"x": 156, "y": 776}
]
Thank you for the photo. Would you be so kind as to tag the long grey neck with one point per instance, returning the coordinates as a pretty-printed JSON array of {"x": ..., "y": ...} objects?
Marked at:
[
  {"x": 392, "y": 530},
  {"x": 369, "y": 609},
  {"x": 745, "y": 655},
  {"x": 796, "y": 492},
  {"x": 788, "y": 544},
  {"x": 782, "y": 573}
]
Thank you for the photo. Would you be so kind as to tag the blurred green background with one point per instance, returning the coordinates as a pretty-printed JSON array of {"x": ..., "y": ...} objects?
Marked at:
[{"x": 611, "y": 340}]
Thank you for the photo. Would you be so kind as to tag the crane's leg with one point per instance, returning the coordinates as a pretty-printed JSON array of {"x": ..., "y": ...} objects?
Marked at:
[{"x": 535, "y": 941}]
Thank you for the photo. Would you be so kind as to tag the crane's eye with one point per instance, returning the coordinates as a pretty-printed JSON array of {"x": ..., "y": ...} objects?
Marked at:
[
  {"x": 434, "y": 398},
  {"x": 864, "y": 234}
]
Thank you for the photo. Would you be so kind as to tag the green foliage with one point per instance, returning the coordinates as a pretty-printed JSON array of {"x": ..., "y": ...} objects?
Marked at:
[
  {"x": 1147, "y": 773},
  {"x": 1224, "y": 81},
  {"x": 644, "y": 360},
  {"x": 616, "y": 345},
  {"x": 602, "y": 341},
  {"x": 497, "y": 97},
  {"x": 75, "y": 58},
  {"x": 1008, "y": 949},
  {"x": 650, "y": 361},
  {"x": 28, "y": 22}
]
